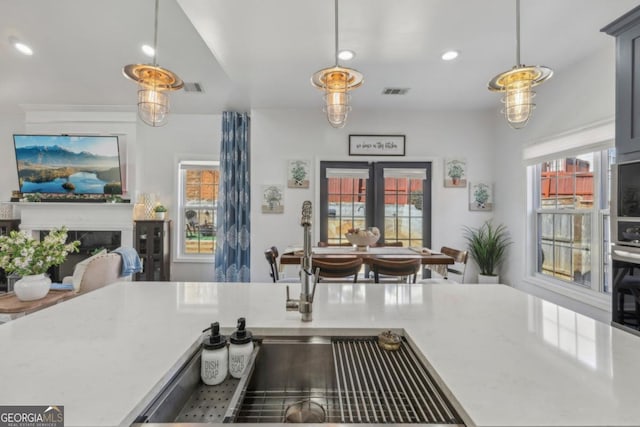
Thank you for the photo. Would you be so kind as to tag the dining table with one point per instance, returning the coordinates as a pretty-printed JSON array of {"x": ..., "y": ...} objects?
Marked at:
[{"x": 433, "y": 260}]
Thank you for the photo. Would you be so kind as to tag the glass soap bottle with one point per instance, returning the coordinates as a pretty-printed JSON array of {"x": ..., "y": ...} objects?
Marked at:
[
  {"x": 214, "y": 358},
  {"x": 240, "y": 349}
]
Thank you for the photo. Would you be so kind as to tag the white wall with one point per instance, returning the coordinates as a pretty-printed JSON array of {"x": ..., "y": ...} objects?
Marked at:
[
  {"x": 9, "y": 124},
  {"x": 185, "y": 137},
  {"x": 573, "y": 98},
  {"x": 280, "y": 135}
]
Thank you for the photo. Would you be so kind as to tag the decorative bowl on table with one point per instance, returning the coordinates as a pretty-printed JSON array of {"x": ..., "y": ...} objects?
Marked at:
[{"x": 363, "y": 238}]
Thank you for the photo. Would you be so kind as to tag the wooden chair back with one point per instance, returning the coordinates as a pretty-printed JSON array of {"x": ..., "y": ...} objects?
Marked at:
[
  {"x": 395, "y": 267},
  {"x": 460, "y": 258},
  {"x": 337, "y": 267}
]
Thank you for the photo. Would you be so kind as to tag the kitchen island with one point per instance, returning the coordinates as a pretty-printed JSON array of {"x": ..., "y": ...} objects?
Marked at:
[{"x": 508, "y": 358}]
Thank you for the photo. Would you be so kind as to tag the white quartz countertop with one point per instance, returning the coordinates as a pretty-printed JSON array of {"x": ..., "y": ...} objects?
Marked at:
[{"x": 510, "y": 359}]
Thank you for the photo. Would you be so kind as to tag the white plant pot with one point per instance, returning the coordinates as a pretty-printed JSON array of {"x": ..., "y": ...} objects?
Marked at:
[
  {"x": 488, "y": 279},
  {"x": 32, "y": 287},
  {"x": 160, "y": 215}
]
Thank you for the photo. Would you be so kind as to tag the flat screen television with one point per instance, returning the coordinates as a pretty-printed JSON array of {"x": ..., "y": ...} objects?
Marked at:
[{"x": 63, "y": 164}]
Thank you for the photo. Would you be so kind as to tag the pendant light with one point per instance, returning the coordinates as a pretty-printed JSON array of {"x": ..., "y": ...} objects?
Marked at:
[
  {"x": 336, "y": 82},
  {"x": 153, "y": 84},
  {"x": 517, "y": 83}
]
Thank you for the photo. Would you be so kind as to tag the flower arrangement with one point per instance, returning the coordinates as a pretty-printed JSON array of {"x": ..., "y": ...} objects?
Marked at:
[
  {"x": 22, "y": 254},
  {"x": 160, "y": 208}
]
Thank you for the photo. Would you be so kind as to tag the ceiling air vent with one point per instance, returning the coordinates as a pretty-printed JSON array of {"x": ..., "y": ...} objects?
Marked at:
[
  {"x": 395, "y": 90},
  {"x": 193, "y": 87}
]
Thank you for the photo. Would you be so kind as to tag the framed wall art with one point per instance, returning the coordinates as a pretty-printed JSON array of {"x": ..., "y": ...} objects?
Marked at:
[
  {"x": 298, "y": 173},
  {"x": 480, "y": 196},
  {"x": 455, "y": 172},
  {"x": 376, "y": 145},
  {"x": 273, "y": 199}
]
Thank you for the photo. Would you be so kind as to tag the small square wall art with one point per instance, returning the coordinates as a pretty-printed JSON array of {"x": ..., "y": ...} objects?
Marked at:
[
  {"x": 272, "y": 199},
  {"x": 480, "y": 196},
  {"x": 455, "y": 172},
  {"x": 298, "y": 174}
]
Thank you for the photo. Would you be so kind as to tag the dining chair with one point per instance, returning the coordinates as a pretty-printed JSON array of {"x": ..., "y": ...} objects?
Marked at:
[
  {"x": 398, "y": 268},
  {"x": 444, "y": 272},
  {"x": 460, "y": 259},
  {"x": 338, "y": 267}
]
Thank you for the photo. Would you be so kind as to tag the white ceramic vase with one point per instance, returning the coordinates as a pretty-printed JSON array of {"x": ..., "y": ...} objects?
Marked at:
[
  {"x": 32, "y": 287},
  {"x": 488, "y": 279},
  {"x": 160, "y": 215}
]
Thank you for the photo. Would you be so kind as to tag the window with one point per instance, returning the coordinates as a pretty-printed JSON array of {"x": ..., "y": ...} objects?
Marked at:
[
  {"x": 571, "y": 219},
  {"x": 393, "y": 196},
  {"x": 196, "y": 229}
]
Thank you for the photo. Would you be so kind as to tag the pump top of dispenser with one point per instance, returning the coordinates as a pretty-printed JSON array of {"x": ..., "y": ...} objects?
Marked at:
[
  {"x": 241, "y": 335},
  {"x": 214, "y": 341}
]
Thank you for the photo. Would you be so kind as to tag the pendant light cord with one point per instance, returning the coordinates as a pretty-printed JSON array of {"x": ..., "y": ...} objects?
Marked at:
[
  {"x": 155, "y": 36},
  {"x": 517, "y": 32},
  {"x": 336, "y": 30}
]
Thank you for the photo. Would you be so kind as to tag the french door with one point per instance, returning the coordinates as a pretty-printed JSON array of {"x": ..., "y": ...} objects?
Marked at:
[{"x": 393, "y": 196}]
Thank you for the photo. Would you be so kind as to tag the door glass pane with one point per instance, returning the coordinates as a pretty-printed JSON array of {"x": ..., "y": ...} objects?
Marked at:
[
  {"x": 403, "y": 216},
  {"x": 346, "y": 207}
]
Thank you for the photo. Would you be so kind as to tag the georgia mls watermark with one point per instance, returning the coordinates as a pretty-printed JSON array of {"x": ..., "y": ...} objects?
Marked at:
[{"x": 31, "y": 416}]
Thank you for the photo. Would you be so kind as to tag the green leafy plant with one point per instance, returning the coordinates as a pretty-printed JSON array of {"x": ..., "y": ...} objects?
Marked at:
[
  {"x": 20, "y": 253},
  {"x": 481, "y": 194},
  {"x": 113, "y": 198},
  {"x": 488, "y": 246},
  {"x": 33, "y": 197},
  {"x": 455, "y": 169},
  {"x": 298, "y": 172},
  {"x": 160, "y": 208}
]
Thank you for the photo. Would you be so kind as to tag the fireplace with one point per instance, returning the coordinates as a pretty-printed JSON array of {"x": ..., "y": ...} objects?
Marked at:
[
  {"x": 96, "y": 225},
  {"x": 91, "y": 241}
]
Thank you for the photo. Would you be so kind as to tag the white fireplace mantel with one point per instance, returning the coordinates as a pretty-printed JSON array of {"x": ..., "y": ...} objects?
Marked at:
[{"x": 37, "y": 216}]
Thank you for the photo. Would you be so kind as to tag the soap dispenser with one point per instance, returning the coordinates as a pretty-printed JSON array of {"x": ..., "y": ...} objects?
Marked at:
[
  {"x": 214, "y": 360},
  {"x": 240, "y": 349}
]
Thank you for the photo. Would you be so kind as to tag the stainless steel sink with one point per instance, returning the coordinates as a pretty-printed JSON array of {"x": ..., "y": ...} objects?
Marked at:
[{"x": 311, "y": 380}]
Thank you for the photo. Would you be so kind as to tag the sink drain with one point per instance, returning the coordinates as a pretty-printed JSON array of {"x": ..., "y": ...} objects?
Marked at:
[{"x": 305, "y": 411}]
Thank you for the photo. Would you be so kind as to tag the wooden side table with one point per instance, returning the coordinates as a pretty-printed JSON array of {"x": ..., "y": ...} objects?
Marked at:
[{"x": 12, "y": 308}]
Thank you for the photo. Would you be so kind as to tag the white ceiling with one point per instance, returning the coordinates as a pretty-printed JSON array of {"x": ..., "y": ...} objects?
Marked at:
[{"x": 261, "y": 53}]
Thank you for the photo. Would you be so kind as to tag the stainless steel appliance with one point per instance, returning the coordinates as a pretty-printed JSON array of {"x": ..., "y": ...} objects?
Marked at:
[{"x": 625, "y": 250}]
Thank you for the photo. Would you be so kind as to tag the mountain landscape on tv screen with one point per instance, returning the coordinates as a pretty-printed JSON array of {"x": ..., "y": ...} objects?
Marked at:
[{"x": 54, "y": 169}]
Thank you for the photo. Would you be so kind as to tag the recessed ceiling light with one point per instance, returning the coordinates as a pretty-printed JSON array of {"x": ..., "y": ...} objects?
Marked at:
[
  {"x": 148, "y": 50},
  {"x": 22, "y": 48},
  {"x": 346, "y": 55},
  {"x": 450, "y": 55}
]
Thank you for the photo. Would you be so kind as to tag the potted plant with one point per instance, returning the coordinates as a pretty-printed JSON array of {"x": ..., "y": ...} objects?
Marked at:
[
  {"x": 160, "y": 211},
  {"x": 487, "y": 245},
  {"x": 455, "y": 171},
  {"x": 22, "y": 254},
  {"x": 481, "y": 195},
  {"x": 298, "y": 174}
]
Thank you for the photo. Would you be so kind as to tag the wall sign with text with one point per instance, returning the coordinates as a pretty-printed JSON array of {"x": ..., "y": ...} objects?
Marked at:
[{"x": 376, "y": 145}]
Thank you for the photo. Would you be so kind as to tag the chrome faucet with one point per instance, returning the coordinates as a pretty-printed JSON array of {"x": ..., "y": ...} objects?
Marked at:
[{"x": 305, "y": 303}]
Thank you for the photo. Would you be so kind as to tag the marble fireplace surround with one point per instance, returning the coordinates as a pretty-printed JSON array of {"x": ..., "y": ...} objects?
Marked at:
[{"x": 40, "y": 216}]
